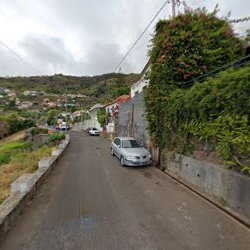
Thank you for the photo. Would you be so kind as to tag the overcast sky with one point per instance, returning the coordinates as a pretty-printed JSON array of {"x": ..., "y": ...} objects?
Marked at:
[{"x": 86, "y": 37}]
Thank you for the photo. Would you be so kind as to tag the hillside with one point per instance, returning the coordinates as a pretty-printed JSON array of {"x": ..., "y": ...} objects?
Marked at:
[{"x": 97, "y": 88}]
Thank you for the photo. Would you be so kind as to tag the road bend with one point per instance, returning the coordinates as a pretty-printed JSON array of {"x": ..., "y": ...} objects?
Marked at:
[{"x": 91, "y": 202}]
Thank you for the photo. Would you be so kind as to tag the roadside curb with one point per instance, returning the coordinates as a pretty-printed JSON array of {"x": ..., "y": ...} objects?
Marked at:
[{"x": 24, "y": 188}]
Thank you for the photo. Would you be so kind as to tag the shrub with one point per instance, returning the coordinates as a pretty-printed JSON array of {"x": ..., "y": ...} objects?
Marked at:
[
  {"x": 190, "y": 45},
  {"x": 56, "y": 136},
  {"x": 34, "y": 131},
  {"x": 5, "y": 158},
  {"x": 9, "y": 150}
]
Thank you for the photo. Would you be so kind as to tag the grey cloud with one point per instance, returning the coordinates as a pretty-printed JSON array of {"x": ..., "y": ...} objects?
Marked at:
[
  {"x": 85, "y": 37},
  {"x": 49, "y": 52}
]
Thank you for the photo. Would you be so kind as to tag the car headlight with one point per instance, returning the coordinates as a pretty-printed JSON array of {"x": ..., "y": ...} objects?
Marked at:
[{"x": 149, "y": 156}]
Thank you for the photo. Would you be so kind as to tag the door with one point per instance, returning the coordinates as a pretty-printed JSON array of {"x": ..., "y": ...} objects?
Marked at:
[{"x": 117, "y": 145}]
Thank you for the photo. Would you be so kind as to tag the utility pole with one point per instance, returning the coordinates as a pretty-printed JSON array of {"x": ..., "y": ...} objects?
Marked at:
[
  {"x": 173, "y": 8},
  {"x": 81, "y": 120},
  {"x": 66, "y": 109}
]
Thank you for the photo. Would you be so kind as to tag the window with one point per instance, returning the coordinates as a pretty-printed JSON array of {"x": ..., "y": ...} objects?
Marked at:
[
  {"x": 117, "y": 141},
  {"x": 130, "y": 144}
]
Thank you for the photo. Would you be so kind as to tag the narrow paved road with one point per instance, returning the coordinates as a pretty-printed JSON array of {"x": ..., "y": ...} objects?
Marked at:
[{"x": 90, "y": 202}]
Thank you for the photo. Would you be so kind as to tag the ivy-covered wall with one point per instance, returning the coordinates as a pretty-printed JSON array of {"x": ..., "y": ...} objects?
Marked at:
[{"x": 215, "y": 111}]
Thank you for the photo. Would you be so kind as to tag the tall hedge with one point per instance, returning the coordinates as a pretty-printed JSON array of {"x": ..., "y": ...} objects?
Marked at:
[
  {"x": 190, "y": 45},
  {"x": 215, "y": 111},
  {"x": 184, "y": 48}
]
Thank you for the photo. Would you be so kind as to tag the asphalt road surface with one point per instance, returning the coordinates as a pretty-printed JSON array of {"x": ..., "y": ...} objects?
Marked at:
[{"x": 91, "y": 202}]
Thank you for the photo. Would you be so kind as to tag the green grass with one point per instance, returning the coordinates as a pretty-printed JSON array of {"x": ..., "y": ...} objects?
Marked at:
[
  {"x": 20, "y": 144},
  {"x": 16, "y": 158},
  {"x": 10, "y": 149}
]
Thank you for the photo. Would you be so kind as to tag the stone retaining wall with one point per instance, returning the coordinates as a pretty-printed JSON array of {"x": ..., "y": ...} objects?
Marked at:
[{"x": 229, "y": 188}]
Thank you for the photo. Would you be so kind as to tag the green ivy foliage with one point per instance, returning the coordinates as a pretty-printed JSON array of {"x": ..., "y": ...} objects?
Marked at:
[
  {"x": 190, "y": 45},
  {"x": 214, "y": 111}
]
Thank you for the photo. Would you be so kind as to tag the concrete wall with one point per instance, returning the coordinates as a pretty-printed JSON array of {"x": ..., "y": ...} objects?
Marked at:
[
  {"x": 131, "y": 120},
  {"x": 93, "y": 122},
  {"x": 39, "y": 140},
  {"x": 230, "y": 187}
]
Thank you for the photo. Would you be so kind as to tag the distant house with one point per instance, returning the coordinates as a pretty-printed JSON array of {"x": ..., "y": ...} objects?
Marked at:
[
  {"x": 46, "y": 101},
  {"x": 7, "y": 91},
  {"x": 25, "y": 105},
  {"x": 26, "y": 92},
  {"x": 93, "y": 110},
  {"x": 113, "y": 108},
  {"x": 142, "y": 83},
  {"x": 93, "y": 121},
  {"x": 51, "y": 104},
  {"x": 11, "y": 94}
]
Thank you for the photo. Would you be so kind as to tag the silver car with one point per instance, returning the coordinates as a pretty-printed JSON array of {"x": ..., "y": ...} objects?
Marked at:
[{"x": 130, "y": 152}]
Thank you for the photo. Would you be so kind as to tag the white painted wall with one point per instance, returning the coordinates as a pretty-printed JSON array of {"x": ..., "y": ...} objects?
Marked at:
[
  {"x": 110, "y": 127},
  {"x": 138, "y": 87}
]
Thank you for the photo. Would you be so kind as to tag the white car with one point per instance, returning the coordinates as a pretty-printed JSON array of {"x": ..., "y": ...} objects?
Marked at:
[
  {"x": 93, "y": 131},
  {"x": 130, "y": 152}
]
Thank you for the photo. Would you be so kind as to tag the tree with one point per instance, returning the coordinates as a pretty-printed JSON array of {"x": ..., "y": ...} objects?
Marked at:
[{"x": 102, "y": 116}]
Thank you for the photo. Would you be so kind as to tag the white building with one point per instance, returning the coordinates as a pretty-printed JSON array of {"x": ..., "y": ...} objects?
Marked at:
[
  {"x": 142, "y": 83},
  {"x": 138, "y": 87},
  {"x": 111, "y": 107},
  {"x": 93, "y": 121}
]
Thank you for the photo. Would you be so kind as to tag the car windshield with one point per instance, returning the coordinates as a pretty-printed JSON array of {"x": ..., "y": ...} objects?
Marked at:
[
  {"x": 94, "y": 129},
  {"x": 130, "y": 144}
]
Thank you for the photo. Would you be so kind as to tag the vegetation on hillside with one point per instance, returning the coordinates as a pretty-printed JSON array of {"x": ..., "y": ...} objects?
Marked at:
[
  {"x": 216, "y": 111},
  {"x": 14, "y": 122},
  {"x": 100, "y": 88}
]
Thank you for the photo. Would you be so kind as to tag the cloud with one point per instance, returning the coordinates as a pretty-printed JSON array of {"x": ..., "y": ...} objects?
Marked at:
[{"x": 85, "y": 37}]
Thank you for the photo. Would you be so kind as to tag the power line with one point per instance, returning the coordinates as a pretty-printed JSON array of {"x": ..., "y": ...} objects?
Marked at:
[
  {"x": 240, "y": 62},
  {"x": 20, "y": 58},
  {"x": 240, "y": 20},
  {"x": 131, "y": 48}
]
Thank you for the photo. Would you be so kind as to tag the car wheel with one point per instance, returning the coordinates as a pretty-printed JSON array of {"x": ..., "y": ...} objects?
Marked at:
[
  {"x": 112, "y": 152},
  {"x": 122, "y": 161}
]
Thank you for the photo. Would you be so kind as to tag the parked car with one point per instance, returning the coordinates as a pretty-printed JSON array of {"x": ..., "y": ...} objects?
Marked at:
[
  {"x": 93, "y": 131},
  {"x": 63, "y": 126},
  {"x": 130, "y": 152}
]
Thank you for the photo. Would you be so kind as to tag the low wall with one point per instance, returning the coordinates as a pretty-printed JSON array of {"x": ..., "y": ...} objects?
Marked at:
[
  {"x": 25, "y": 187},
  {"x": 230, "y": 188},
  {"x": 87, "y": 124},
  {"x": 40, "y": 140}
]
